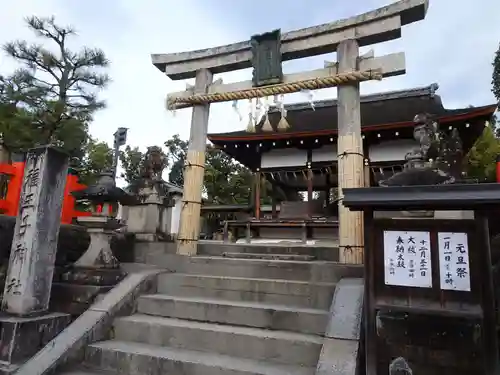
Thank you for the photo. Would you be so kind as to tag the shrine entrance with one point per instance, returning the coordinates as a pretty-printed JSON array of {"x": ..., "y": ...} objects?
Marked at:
[
  {"x": 265, "y": 54},
  {"x": 429, "y": 294}
]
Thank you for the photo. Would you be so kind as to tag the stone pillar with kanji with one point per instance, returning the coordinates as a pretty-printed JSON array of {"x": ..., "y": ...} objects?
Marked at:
[{"x": 26, "y": 322}]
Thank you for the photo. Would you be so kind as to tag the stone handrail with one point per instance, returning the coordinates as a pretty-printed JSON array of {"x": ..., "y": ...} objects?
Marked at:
[{"x": 93, "y": 325}]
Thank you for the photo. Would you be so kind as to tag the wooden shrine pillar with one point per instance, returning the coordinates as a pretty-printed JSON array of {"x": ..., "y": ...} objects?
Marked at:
[
  {"x": 274, "y": 201},
  {"x": 309, "y": 191},
  {"x": 351, "y": 158},
  {"x": 328, "y": 183},
  {"x": 194, "y": 170},
  {"x": 258, "y": 183}
]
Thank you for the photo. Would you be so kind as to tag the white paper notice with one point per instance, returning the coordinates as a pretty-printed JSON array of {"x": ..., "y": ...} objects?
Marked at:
[
  {"x": 407, "y": 258},
  {"x": 454, "y": 267}
]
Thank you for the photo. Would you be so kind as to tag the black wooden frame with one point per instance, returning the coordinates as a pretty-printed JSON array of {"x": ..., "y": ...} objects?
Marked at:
[{"x": 477, "y": 308}]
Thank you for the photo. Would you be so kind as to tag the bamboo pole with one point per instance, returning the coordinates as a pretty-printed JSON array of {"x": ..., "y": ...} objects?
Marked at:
[
  {"x": 351, "y": 158},
  {"x": 189, "y": 227}
]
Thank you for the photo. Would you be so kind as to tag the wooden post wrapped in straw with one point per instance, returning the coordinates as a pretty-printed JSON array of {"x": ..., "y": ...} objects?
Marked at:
[
  {"x": 350, "y": 156},
  {"x": 189, "y": 227}
]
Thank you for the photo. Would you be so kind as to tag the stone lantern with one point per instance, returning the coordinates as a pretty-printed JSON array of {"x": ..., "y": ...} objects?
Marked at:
[
  {"x": 104, "y": 198},
  {"x": 97, "y": 270}
]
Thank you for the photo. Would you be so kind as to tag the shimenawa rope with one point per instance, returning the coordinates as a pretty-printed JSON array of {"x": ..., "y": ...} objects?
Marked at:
[{"x": 278, "y": 89}]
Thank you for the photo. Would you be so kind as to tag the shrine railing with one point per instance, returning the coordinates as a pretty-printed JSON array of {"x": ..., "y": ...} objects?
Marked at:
[{"x": 9, "y": 202}]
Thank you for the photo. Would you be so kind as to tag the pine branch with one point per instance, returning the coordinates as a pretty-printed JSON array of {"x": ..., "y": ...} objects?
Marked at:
[
  {"x": 33, "y": 56},
  {"x": 88, "y": 78},
  {"x": 90, "y": 57}
]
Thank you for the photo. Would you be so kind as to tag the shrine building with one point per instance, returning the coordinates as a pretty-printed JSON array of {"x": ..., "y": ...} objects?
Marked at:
[{"x": 304, "y": 157}]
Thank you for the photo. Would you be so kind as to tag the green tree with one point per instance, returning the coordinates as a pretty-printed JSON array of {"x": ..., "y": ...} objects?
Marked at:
[
  {"x": 55, "y": 87},
  {"x": 16, "y": 125},
  {"x": 496, "y": 75},
  {"x": 98, "y": 158},
  {"x": 225, "y": 181},
  {"x": 480, "y": 162},
  {"x": 176, "y": 155},
  {"x": 131, "y": 161}
]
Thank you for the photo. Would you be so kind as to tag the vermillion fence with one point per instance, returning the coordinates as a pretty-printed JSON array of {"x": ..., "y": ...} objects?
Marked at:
[{"x": 9, "y": 204}]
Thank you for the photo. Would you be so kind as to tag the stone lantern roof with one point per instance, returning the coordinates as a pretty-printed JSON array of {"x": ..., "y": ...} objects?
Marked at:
[{"x": 105, "y": 191}]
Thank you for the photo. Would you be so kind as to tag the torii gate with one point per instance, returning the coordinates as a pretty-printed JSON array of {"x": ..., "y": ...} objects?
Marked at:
[{"x": 265, "y": 53}]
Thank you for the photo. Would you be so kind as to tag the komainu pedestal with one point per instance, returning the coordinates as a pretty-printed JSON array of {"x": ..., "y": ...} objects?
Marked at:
[
  {"x": 26, "y": 326},
  {"x": 150, "y": 217}
]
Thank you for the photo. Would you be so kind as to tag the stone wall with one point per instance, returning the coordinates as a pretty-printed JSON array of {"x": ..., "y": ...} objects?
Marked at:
[{"x": 73, "y": 241}]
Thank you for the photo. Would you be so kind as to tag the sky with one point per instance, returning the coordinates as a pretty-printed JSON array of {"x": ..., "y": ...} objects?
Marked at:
[{"x": 453, "y": 46}]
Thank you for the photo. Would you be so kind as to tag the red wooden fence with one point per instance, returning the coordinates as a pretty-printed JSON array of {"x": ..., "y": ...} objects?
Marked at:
[{"x": 10, "y": 204}]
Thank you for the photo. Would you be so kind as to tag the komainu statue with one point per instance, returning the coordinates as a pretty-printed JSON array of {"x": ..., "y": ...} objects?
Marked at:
[
  {"x": 436, "y": 160},
  {"x": 153, "y": 164},
  {"x": 399, "y": 366}
]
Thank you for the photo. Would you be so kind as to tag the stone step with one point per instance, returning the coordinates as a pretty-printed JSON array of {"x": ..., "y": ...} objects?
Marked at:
[
  {"x": 83, "y": 371},
  {"x": 142, "y": 359},
  {"x": 315, "y": 271},
  {"x": 330, "y": 253},
  {"x": 257, "y": 315},
  {"x": 300, "y": 257},
  {"x": 242, "y": 342},
  {"x": 278, "y": 292}
]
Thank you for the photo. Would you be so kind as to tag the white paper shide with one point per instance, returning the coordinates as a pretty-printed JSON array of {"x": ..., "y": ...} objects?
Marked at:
[
  {"x": 454, "y": 267},
  {"x": 407, "y": 258}
]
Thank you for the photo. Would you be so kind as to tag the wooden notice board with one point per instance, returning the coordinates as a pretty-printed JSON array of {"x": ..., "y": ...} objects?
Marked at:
[{"x": 429, "y": 296}]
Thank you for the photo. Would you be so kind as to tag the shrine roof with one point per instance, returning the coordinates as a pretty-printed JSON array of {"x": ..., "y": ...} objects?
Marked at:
[{"x": 390, "y": 110}]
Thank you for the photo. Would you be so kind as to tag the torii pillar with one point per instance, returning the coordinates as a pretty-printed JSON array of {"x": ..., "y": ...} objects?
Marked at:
[
  {"x": 351, "y": 156},
  {"x": 194, "y": 170}
]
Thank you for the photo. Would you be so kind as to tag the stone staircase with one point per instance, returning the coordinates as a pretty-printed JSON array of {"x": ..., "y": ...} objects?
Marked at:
[{"x": 248, "y": 310}]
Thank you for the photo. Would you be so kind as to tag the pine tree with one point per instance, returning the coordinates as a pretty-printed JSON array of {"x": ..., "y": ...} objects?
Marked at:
[{"x": 60, "y": 86}]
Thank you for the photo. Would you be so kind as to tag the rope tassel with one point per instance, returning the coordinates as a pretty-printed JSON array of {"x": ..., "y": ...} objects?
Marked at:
[
  {"x": 251, "y": 124},
  {"x": 267, "y": 127},
  {"x": 283, "y": 124}
]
